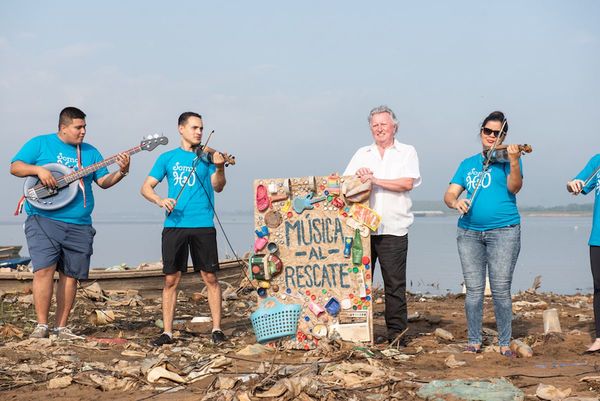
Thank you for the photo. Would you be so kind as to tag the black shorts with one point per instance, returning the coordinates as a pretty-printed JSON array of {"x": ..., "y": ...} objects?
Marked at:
[{"x": 177, "y": 243}]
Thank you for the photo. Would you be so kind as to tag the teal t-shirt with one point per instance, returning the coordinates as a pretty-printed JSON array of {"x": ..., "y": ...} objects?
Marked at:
[
  {"x": 593, "y": 185},
  {"x": 494, "y": 205},
  {"x": 194, "y": 208},
  {"x": 45, "y": 149}
]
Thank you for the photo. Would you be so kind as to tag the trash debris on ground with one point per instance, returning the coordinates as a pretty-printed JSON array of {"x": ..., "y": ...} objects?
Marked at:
[
  {"x": 116, "y": 360},
  {"x": 551, "y": 393},
  {"x": 451, "y": 362},
  {"x": 521, "y": 349},
  {"x": 443, "y": 334},
  {"x": 471, "y": 390}
]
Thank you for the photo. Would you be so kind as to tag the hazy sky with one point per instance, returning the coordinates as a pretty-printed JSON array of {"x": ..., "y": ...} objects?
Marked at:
[{"x": 287, "y": 87}]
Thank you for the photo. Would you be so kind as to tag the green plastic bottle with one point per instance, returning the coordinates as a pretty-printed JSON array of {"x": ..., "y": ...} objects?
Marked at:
[{"x": 357, "y": 249}]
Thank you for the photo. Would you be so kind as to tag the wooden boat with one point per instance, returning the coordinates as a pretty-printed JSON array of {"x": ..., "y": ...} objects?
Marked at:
[
  {"x": 14, "y": 262},
  {"x": 148, "y": 280},
  {"x": 9, "y": 251}
]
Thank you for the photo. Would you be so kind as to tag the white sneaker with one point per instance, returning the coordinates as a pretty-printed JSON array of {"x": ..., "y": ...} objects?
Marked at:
[
  {"x": 41, "y": 331},
  {"x": 64, "y": 333}
]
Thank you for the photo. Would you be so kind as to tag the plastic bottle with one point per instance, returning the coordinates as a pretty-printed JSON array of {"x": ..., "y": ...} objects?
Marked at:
[
  {"x": 357, "y": 249},
  {"x": 551, "y": 322}
]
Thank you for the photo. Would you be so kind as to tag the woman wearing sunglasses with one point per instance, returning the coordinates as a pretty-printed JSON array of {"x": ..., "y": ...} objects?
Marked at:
[
  {"x": 586, "y": 181},
  {"x": 489, "y": 231}
]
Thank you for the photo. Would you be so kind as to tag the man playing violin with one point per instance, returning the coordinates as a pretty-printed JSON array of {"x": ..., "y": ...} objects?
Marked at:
[
  {"x": 61, "y": 239},
  {"x": 188, "y": 226}
]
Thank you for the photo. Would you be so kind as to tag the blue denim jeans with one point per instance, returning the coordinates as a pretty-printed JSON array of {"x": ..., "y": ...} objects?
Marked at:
[{"x": 496, "y": 251}]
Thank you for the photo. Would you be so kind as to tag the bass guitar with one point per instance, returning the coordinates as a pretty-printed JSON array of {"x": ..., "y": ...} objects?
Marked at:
[{"x": 46, "y": 198}]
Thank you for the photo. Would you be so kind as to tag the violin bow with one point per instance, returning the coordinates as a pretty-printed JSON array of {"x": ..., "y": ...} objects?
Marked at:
[
  {"x": 590, "y": 177},
  {"x": 191, "y": 172},
  {"x": 207, "y": 139},
  {"x": 486, "y": 163}
]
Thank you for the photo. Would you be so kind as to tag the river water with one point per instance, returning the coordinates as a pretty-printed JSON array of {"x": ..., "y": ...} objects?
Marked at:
[{"x": 554, "y": 247}]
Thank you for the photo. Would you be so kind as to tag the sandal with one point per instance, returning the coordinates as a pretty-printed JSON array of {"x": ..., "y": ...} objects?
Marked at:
[
  {"x": 262, "y": 198},
  {"x": 589, "y": 352},
  {"x": 474, "y": 349},
  {"x": 508, "y": 353}
]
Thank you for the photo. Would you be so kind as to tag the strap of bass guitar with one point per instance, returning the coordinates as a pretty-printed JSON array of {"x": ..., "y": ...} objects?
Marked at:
[
  {"x": 20, "y": 205},
  {"x": 80, "y": 167}
]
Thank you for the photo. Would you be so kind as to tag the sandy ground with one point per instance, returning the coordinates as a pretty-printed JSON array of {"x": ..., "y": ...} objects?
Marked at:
[{"x": 557, "y": 360}]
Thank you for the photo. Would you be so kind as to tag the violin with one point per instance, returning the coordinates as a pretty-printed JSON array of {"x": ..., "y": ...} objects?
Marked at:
[
  {"x": 500, "y": 155},
  {"x": 205, "y": 153}
]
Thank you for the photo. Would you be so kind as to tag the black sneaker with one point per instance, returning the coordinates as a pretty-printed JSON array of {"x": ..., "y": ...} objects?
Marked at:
[
  {"x": 162, "y": 340},
  {"x": 381, "y": 340},
  {"x": 218, "y": 337},
  {"x": 398, "y": 340}
]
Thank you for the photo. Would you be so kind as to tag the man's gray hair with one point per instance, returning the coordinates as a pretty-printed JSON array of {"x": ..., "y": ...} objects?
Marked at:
[{"x": 384, "y": 109}]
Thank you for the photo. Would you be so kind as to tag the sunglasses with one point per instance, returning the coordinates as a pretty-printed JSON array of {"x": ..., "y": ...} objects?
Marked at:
[{"x": 488, "y": 131}]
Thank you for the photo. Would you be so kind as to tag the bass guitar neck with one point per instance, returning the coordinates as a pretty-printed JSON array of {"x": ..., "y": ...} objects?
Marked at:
[
  {"x": 76, "y": 175},
  {"x": 42, "y": 197}
]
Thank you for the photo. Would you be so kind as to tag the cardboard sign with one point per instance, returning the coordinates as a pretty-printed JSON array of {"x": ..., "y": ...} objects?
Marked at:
[{"x": 310, "y": 251}]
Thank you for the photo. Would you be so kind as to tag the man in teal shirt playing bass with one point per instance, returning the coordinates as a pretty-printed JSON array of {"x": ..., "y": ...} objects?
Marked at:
[{"x": 61, "y": 239}]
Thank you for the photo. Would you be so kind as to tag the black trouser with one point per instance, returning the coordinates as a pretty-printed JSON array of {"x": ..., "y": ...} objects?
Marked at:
[
  {"x": 595, "y": 262},
  {"x": 391, "y": 252}
]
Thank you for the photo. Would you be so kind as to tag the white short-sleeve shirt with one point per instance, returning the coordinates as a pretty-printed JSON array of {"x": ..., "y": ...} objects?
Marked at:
[{"x": 399, "y": 161}]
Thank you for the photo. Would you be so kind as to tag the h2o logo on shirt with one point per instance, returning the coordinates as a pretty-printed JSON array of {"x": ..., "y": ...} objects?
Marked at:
[
  {"x": 179, "y": 179},
  {"x": 66, "y": 161},
  {"x": 473, "y": 177},
  {"x": 179, "y": 176}
]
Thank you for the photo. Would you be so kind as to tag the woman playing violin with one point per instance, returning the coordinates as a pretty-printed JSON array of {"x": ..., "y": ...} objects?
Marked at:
[
  {"x": 489, "y": 231},
  {"x": 588, "y": 181}
]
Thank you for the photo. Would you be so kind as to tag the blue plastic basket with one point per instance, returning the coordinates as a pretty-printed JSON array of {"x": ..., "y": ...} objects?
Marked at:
[{"x": 273, "y": 320}]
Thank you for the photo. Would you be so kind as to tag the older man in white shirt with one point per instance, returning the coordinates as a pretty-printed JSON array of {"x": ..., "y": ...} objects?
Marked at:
[{"x": 393, "y": 169}]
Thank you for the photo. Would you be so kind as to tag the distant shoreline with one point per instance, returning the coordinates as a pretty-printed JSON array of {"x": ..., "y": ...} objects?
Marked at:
[
  {"x": 532, "y": 213},
  {"x": 528, "y": 213},
  {"x": 148, "y": 219}
]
